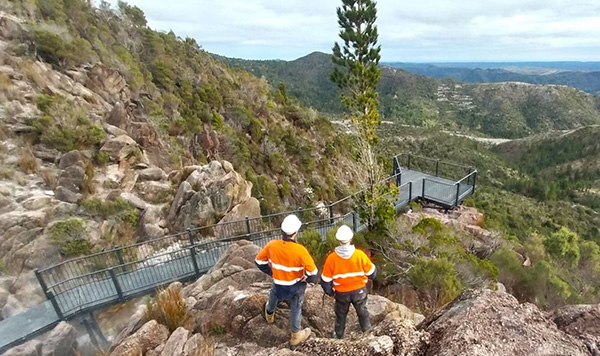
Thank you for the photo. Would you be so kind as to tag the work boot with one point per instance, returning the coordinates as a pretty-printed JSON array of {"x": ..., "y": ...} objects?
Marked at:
[
  {"x": 300, "y": 337},
  {"x": 270, "y": 318}
]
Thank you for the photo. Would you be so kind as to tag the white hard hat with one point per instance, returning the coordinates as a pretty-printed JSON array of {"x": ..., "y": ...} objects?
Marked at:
[
  {"x": 291, "y": 224},
  {"x": 344, "y": 234}
]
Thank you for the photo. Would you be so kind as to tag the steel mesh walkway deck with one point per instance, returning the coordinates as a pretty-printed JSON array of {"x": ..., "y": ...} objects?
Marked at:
[{"x": 86, "y": 284}]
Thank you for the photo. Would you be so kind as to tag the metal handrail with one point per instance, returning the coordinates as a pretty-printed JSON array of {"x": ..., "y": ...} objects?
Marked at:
[
  {"x": 438, "y": 182},
  {"x": 466, "y": 177}
]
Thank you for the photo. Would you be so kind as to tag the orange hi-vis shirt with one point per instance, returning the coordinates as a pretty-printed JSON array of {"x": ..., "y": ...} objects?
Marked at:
[
  {"x": 347, "y": 274},
  {"x": 289, "y": 261}
]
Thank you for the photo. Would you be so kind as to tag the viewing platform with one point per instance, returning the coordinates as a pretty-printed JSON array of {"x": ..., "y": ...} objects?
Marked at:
[{"x": 77, "y": 287}]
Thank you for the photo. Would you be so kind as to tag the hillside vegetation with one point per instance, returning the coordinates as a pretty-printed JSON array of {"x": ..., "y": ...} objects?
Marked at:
[
  {"x": 498, "y": 109},
  {"x": 182, "y": 92}
]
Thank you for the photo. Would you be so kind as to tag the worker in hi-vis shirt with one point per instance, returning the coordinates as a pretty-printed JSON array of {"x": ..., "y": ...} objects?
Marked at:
[
  {"x": 345, "y": 275},
  {"x": 291, "y": 267}
]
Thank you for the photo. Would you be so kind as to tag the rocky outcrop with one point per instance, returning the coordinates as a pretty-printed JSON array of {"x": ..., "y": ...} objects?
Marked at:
[
  {"x": 582, "y": 322},
  {"x": 208, "y": 194},
  {"x": 71, "y": 178},
  {"x": 485, "y": 322}
]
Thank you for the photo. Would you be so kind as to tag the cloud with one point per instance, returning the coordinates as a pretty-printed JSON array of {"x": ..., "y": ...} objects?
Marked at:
[{"x": 426, "y": 30}]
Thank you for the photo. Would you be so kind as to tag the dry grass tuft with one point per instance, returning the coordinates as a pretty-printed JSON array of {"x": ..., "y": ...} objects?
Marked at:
[
  {"x": 168, "y": 308},
  {"x": 88, "y": 187},
  {"x": 27, "y": 162},
  {"x": 6, "y": 173},
  {"x": 49, "y": 178},
  {"x": 207, "y": 348}
]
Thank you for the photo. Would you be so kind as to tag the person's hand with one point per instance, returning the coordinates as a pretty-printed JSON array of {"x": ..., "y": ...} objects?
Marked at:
[{"x": 303, "y": 279}]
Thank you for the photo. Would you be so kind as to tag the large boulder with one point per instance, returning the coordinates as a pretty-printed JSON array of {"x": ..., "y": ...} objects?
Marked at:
[
  {"x": 148, "y": 337},
  {"x": 486, "y": 322},
  {"x": 152, "y": 173},
  {"x": 207, "y": 195},
  {"x": 61, "y": 341},
  {"x": 118, "y": 147}
]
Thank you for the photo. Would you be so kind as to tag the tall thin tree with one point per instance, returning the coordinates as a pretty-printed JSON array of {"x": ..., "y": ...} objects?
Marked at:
[{"x": 357, "y": 77}]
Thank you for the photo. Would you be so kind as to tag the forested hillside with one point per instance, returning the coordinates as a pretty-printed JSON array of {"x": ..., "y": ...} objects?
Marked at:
[
  {"x": 561, "y": 165},
  {"x": 494, "y": 109}
]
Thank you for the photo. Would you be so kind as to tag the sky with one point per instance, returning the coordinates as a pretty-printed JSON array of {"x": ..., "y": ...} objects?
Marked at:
[{"x": 409, "y": 31}]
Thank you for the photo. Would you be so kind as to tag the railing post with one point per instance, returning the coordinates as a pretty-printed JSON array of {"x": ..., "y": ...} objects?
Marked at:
[
  {"x": 408, "y": 161},
  {"x": 119, "y": 257},
  {"x": 423, "y": 192},
  {"x": 474, "y": 181},
  {"x": 395, "y": 165},
  {"x": 248, "y": 225},
  {"x": 115, "y": 281},
  {"x": 457, "y": 193},
  {"x": 52, "y": 299},
  {"x": 437, "y": 168},
  {"x": 354, "y": 221},
  {"x": 331, "y": 212},
  {"x": 409, "y": 192},
  {"x": 193, "y": 251},
  {"x": 40, "y": 279},
  {"x": 194, "y": 262}
]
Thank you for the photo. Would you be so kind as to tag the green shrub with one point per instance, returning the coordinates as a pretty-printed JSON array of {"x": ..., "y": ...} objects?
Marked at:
[
  {"x": 120, "y": 209},
  {"x": 76, "y": 248},
  {"x": 102, "y": 158},
  {"x": 70, "y": 235},
  {"x": 65, "y": 125},
  {"x": 267, "y": 194},
  {"x": 66, "y": 230},
  {"x": 428, "y": 226},
  {"x": 437, "y": 280},
  {"x": 563, "y": 245}
]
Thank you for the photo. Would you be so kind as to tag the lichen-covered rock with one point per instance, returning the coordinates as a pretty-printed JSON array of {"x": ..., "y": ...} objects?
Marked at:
[{"x": 486, "y": 322}]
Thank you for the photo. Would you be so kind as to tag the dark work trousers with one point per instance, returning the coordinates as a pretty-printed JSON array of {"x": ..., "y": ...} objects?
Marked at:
[{"x": 342, "y": 305}]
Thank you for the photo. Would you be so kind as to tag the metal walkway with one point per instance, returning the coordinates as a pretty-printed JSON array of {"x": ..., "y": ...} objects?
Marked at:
[{"x": 79, "y": 286}]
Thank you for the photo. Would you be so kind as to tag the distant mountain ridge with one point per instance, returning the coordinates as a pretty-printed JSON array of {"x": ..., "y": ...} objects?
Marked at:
[
  {"x": 586, "y": 78},
  {"x": 496, "y": 109}
]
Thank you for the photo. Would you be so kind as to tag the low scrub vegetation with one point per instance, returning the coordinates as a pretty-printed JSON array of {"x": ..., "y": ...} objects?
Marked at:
[{"x": 70, "y": 236}]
